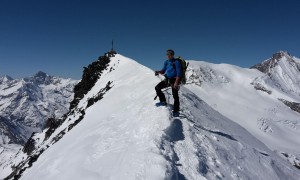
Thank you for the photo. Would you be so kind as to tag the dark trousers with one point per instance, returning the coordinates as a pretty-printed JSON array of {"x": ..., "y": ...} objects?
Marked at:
[{"x": 164, "y": 84}]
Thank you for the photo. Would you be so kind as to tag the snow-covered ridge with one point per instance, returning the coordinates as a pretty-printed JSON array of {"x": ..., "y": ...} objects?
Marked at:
[
  {"x": 227, "y": 130},
  {"x": 57, "y": 127}
]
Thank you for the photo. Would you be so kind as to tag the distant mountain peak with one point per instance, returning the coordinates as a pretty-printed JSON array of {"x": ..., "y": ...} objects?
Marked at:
[
  {"x": 42, "y": 78},
  {"x": 280, "y": 54},
  {"x": 41, "y": 74},
  {"x": 5, "y": 78},
  {"x": 277, "y": 59}
]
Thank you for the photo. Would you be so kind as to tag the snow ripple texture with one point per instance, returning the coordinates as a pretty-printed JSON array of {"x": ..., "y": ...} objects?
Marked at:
[{"x": 125, "y": 136}]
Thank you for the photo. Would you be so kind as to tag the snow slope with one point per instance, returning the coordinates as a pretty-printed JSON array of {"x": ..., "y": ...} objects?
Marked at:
[
  {"x": 116, "y": 136},
  {"x": 125, "y": 136},
  {"x": 230, "y": 90}
]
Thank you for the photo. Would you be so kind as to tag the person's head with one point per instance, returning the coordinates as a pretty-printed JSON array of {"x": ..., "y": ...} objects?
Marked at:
[{"x": 170, "y": 54}]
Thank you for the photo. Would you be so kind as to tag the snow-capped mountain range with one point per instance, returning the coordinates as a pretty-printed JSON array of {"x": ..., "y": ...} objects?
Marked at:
[
  {"x": 235, "y": 123},
  {"x": 26, "y": 104}
]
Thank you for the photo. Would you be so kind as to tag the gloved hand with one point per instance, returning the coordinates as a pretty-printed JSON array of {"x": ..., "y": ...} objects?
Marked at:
[
  {"x": 176, "y": 86},
  {"x": 156, "y": 73}
]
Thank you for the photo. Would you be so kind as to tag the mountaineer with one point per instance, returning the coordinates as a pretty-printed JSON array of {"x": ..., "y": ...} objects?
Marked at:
[{"x": 173, "y": 72}]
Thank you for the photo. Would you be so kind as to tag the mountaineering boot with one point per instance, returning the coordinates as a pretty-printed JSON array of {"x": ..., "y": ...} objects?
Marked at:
[
  {"x": 161, "y": 104},
  {"x": 176, "y": 113}
]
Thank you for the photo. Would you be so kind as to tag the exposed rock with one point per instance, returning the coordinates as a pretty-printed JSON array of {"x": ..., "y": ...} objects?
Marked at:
[
  {"x": 267, "y": 66},
  {"x": 99, "y": 95},
  {"x": 293, "y": 105},
  {"x": 51, "y": 124},
  {"x": 26, "y": 104},
  {"x": 29, "y": 146},
  {"x": 261, "y": 88},
  {"x": 90, "y": 76}
]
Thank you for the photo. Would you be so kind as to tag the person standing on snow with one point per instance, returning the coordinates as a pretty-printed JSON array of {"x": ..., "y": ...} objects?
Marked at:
[{"x": 172, "y": 71}]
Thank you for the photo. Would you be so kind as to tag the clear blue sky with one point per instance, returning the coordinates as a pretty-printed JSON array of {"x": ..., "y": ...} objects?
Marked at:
[{"x": 59, "y": 37}]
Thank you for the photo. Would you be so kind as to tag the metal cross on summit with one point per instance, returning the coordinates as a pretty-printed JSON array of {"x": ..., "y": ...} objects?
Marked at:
[{"x": 112, "y": 52}]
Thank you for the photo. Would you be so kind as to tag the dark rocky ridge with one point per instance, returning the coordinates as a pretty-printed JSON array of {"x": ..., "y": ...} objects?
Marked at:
[
  {"x": 90, "y": 76},
  {"x": 293, "y": 105},
  {"x": 259, "y": 87}
]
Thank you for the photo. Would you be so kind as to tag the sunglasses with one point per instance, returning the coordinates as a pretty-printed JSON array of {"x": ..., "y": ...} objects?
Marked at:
[{"x": 169, "y": 54}]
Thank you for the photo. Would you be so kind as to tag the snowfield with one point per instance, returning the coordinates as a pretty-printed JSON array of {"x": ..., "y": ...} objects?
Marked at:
[
  {"x": 263, "y": 115},
  {"x": 227, "y": 130}
]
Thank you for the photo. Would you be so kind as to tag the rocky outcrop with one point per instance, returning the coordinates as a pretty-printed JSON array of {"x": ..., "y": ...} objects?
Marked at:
[
  {"x": 90, "y": 76},
  {"x": 293, "y": 105}
]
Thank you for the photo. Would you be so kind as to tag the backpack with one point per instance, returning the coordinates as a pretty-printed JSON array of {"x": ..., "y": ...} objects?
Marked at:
[{"x": 184, "y": 66}]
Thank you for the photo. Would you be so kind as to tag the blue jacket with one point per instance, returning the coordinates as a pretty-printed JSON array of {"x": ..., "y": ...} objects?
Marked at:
[{"x": 169, "y": 70}]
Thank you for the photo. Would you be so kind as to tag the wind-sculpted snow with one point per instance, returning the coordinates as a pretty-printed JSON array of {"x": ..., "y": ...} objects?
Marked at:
[
  {"x": 253, "y": 100},
  {"x": 115, "y": 131},
  {"x": 224, "y": 149}
]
